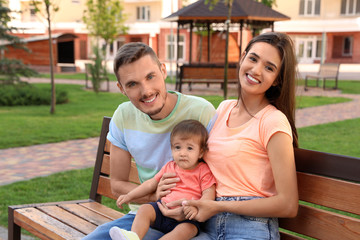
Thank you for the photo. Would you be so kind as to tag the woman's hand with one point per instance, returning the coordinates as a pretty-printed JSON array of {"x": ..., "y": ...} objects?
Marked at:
[
  {"x": 176, "y": 213},
  {"x": 167, "y": 181},
  {"x": 205, "y": 209}
]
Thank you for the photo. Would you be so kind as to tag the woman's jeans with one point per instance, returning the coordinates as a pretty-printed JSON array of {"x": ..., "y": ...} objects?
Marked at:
[
  {"x": 232, "y": 226},
  {"x": 125, "y": 222}
]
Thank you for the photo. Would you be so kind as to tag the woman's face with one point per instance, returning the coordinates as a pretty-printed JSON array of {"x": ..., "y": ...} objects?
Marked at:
[{"x": 259, "y": 68}]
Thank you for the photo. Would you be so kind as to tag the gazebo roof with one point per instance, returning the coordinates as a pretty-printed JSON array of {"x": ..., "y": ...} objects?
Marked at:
[{"x": 242, "y": 10}]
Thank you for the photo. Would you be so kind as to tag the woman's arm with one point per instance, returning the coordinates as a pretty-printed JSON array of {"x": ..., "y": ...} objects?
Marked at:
[{"x": 283, "y": 204}]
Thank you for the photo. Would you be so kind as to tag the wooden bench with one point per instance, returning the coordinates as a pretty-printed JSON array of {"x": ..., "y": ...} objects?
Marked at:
[
  {"x": 71, "y": 219},
  {"x": 326, "y": 71},
  {"x": 205, "y": 73},
  {"x": 325, "y": 179}
]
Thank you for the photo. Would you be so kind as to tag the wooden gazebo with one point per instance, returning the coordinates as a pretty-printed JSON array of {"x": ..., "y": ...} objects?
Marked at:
[{"x": 244, "y": 13}]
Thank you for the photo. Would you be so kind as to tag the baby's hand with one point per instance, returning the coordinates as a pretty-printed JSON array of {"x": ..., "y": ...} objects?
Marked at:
[
  {"x": 122, "y": 199},
  {"x": 190, "y": 212}
]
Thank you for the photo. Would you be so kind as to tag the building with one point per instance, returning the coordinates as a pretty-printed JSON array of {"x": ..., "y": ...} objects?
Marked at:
[
  {"x": 144, "y": 19},
  {"x": 324, "y": 31}
]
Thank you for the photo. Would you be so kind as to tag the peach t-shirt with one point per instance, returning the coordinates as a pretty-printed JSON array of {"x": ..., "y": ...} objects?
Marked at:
[
  {"x": 238, "y": 157},
  {"x": 192, "y": 182}
]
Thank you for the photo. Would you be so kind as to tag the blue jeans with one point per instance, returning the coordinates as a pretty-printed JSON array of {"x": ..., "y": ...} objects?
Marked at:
[
  {"x": 125, "y": 222},
  {"x": 228, "y": 226}
]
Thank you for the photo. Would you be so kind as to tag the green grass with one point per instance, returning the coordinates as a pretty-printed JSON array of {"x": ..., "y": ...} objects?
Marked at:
[
  {"x": 308, "y": 101},
  {"x": 82, "y": 117},
  {"x": 337, "y": 137},
  {"x": 69, "y": 185},
  {"x": 346, "y": 86},
  {"x": 78, "y": 119}
]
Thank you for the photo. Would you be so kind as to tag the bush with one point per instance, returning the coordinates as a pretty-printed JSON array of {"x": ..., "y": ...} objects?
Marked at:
[{"x": 26, "y": 94}]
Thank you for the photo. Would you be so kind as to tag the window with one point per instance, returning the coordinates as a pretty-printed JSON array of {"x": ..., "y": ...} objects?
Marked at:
[
  {"x": 143, "y": 13},
  {"x": 309, "y": 7},
  {"x": 350, "y": 7},
  {"x": 171, "y": 47},
  {"x": 347, "y": 46}
]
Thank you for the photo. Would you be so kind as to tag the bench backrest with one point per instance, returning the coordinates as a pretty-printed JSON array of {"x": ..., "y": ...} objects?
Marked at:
[
  {"x": 101, "y": 177},
  {"x": 328, "y": 184},
  {"x": 328, "y": 180},
  {"x": 207, "y": 71},
  {"x": 329, "y": 69}
]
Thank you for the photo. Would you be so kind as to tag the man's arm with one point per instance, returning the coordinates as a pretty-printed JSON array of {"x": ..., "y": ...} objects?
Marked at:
[{"x": 120, "y": 165}]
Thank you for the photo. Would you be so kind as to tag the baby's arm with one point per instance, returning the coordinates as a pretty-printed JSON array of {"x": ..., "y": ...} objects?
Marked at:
[
  {"x": 208, "y": 194},
  {"x": 142, "y": 190}
]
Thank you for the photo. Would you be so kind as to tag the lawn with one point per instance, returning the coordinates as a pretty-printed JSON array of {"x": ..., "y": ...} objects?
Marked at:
[{"x": 81, "y": 118}]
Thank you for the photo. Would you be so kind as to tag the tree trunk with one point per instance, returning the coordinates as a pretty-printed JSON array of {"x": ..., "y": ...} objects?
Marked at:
[{"x": 53, "y": 91}]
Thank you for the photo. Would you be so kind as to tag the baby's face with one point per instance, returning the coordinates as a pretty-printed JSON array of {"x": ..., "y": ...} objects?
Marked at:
[{"x": 186, "y": 152}]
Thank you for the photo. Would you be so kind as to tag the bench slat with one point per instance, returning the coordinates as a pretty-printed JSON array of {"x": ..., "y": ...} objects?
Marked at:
[
  {"x": 322, "y": 224},
  {"x": 105, "y": 167},
  {"x": 68, "y": 218},
  {"x": 85, "y": 213},
  {"x": 332, "y": 193},
  {"x": 44, "y": 226},
  {"x": 104, "y": 187},
  {"x": 104, "y": 210}
]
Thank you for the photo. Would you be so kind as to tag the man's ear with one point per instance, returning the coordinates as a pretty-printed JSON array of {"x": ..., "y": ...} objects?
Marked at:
[
  {"x": 163, "y": 70},
  {"x": 121, "y": 88}
]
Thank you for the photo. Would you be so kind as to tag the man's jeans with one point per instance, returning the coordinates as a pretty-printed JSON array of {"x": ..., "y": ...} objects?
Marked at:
[{"x": 125, "y": 222}]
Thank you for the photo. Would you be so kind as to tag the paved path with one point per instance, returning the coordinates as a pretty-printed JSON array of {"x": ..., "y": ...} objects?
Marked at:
[{"x": 42, "y": 160}]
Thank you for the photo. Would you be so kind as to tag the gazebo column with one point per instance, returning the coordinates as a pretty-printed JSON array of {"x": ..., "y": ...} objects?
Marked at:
[
  {"x": 190, "y": 48},
  {"x": 177, "y": 85},
  {"x": 209, "y": 38}
]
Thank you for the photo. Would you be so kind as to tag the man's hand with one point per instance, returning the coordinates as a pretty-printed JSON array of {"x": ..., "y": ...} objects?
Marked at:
[
  {"x": 167, "y": 181},
  {"x": 175, "y": 213},
  {"x": 122, "y": 199}
]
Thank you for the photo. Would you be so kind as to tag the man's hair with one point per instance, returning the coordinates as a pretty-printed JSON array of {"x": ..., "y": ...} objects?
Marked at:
[
  {"x": 187, "y": 129},
  {"x": 132, "y": 52}
]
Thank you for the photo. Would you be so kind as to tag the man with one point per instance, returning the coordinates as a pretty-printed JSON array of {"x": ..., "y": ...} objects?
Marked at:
[{"x": 141, "y": 128}]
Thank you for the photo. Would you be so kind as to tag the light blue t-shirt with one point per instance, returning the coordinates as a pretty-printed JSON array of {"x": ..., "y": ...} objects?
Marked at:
[{"x": 147, "y": 140}]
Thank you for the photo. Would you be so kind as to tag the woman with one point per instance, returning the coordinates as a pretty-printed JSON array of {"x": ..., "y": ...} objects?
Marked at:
[{"x": 251, "y": 147}]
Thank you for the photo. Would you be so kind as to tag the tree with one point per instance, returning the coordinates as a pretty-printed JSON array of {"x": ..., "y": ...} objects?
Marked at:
[
  {"x": 50, "y": 9},
  {"x": 11, "y": 69},
  {"x": 104, "y": 20}
]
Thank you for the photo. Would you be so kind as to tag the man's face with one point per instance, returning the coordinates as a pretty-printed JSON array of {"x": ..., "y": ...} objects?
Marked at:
[{"x": 143, "y": 82}]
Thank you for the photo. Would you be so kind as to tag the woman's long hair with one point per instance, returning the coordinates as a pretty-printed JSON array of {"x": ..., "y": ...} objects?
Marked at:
[{"x": 282, "y": 96}]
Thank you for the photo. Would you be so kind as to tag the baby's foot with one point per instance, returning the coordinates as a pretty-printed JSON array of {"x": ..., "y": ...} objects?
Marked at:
[{"x": 121, "y": 234}]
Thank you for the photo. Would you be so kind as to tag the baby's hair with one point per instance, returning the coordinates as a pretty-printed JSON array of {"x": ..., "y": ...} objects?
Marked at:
[{"x": 187, "y": 129}]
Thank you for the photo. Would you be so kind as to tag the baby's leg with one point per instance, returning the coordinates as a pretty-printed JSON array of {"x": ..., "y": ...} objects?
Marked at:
[
  {"x": 183, "y": 231},
  {"x": 144, "y": 217}
]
